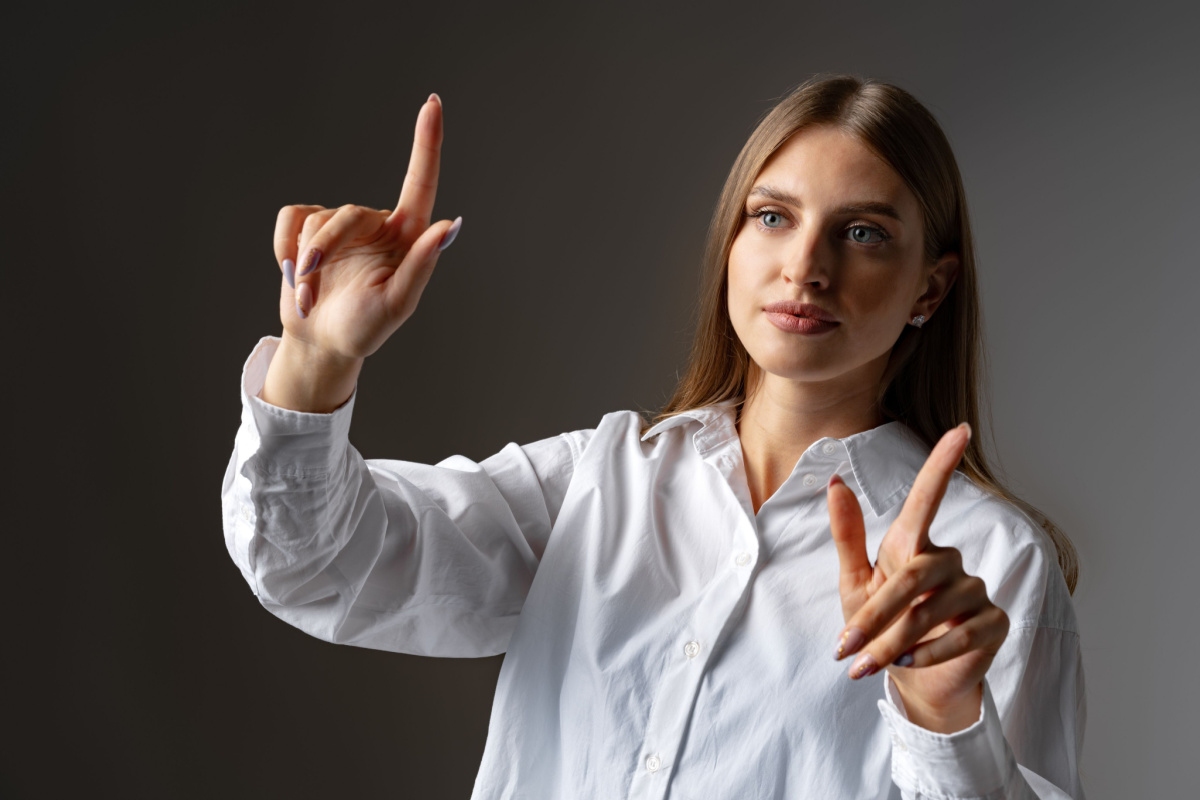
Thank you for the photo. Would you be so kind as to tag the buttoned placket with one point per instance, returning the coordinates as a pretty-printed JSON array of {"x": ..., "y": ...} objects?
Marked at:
[
  {"x": 782, "y": 512},
  {"x": 713, "y": 611},
  {"x": 720, "y": 607}
]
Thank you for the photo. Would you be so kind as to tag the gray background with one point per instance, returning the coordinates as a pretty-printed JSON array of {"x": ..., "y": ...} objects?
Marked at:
[{"x": 147, "y": 152}]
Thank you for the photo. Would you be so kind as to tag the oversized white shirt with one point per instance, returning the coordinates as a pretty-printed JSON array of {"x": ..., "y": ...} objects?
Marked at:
[{"x": 660, "y": 638}]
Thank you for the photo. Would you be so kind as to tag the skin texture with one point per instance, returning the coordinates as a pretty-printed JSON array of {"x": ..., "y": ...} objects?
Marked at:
[{"x": 869, "y": 271}]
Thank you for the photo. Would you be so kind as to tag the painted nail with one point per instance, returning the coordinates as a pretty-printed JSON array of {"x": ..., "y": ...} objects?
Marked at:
[
  {"x": 863, "y": 666},
  {"x": 314, "y": 258},
  {"x": 303, "y": 300},
  {"x": 434, "y": 96},
  {"x": 852, "y": 639},
  {"x": 967, "y": 425},
  {"x": 834, "y": 478},
  {"x": 449, "y": 235},
  {"x": 289, "y": 272},
  {"x": 904, "y": 660}
]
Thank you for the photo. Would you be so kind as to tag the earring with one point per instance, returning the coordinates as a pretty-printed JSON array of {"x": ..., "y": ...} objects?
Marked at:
[{"x": 918, "y": 320}]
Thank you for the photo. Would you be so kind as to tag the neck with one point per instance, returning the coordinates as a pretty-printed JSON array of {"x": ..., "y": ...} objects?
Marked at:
[{"x": 782, "y": 418}]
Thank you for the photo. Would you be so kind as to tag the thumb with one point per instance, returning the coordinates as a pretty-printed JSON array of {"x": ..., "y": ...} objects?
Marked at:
[{"x": 850, "y": 537}]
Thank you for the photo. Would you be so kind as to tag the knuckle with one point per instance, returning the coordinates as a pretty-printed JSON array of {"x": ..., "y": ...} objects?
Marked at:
[
  {"x": 921, "y": 617},
  {"x": 420, "y": 180},
  {"x": 977, "y": 587},
  {"x": 965, "y": 637},
  {"x": 906, "y": 530},
  {"x": 427, "y": 148},
  {"x": 312, "y": 223},
  {"x": 920, "y": 495},
  {"x": 913, "y": 577}
]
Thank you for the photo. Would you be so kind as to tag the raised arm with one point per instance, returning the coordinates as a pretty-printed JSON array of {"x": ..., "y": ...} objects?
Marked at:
[{"x": 393, "y": 555}]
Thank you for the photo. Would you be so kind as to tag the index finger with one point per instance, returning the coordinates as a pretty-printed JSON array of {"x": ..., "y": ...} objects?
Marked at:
[
  {"x": 930, "y": 486},
  {"x": 421, "y": 180}
]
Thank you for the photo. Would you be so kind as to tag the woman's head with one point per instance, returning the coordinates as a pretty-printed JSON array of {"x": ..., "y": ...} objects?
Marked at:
[
  {"x": 834, "y": 141},
  {"x": 830, "y": 224}
]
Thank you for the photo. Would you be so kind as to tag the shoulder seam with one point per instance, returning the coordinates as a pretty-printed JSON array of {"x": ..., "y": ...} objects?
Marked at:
[{"x": 574, "y": 448}]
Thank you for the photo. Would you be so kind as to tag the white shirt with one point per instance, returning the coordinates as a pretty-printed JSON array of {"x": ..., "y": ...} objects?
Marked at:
[{"x": 661, "y": 638}]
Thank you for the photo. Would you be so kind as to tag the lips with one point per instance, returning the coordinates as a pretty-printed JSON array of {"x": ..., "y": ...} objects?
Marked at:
[{"x": 798, "y": 309}]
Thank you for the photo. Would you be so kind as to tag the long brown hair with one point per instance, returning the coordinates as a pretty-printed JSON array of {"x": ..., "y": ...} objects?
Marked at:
[{"x": 933, "y": 375}]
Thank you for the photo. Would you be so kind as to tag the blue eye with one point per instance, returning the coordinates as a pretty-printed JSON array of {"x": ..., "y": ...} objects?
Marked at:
[
  {"x": 767, "y": 218},
  {"x": 861, "y": 234}
]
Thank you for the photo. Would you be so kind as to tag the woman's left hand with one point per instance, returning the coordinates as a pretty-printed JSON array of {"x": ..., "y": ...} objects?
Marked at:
[{"x": 915, "y": 610}]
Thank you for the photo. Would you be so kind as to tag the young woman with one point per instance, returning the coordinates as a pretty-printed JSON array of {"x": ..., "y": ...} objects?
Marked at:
[{"x": 669, "y": 596}]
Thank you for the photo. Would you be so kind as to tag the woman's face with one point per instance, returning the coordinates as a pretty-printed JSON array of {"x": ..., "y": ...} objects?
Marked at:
[{"x": 831, "y": 224}]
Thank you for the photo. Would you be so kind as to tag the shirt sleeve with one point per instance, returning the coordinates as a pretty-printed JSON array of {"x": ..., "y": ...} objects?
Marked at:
[
  {"x": 431, "y": 560},
  {"x": 1028, "y": 739}
]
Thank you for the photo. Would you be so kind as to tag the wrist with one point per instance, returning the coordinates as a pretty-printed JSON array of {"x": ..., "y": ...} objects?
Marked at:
[
  {"x": 305, "y": 378},
  {"x": 948, "y": 717}
]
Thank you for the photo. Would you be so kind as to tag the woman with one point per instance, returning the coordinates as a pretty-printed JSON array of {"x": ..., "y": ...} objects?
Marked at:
[{"x": 668, "y": 596}]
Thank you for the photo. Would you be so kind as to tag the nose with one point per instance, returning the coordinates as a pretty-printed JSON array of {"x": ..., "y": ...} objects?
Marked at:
[{"x": 806, "y": 262}]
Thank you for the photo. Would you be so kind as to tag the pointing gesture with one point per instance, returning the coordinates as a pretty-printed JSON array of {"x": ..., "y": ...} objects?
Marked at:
[
  {"x": 915, "y": 610},
  {"x": 362, "y": 270}
]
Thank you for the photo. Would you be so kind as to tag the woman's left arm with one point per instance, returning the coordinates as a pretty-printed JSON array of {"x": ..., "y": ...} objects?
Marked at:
[
  {"x": 1027, "y": 736},
  {"x": 935, "y": 629}
]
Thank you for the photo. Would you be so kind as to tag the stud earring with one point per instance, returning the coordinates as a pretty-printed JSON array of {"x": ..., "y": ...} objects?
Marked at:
[{"x": 918, "y": 320}]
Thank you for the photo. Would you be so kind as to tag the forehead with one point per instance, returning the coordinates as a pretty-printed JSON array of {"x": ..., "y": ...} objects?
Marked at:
[{"x": 824, "y": 166}]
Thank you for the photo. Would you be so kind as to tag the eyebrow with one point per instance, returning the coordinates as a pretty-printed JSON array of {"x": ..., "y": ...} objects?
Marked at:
[{"x": 861, "y": 207}]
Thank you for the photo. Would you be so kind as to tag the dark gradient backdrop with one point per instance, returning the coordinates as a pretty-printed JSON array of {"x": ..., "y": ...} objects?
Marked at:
[{"x": 147, "y": 152}]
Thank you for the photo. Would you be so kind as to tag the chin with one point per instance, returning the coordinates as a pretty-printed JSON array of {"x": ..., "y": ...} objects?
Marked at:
[{"x": 793, "y": 366}]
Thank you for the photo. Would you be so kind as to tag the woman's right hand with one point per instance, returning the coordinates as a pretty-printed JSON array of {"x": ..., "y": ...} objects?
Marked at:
[{"x": 361, "y": 271}]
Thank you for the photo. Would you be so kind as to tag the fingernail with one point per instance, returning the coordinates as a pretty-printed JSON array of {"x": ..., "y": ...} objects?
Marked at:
[
  {"x": 451, "y": 232},
  {"x": 905, "y": 660},
  {"x": 289, "y": 272},
  {"x": 852, "y": 639},
  {"x": 434, "y": 96},
  {"x": 835, "y": 478},
  {"x": 314, "y": 258},
  {"x": 967, "y": 425},
  {"x": 303, "y": 300},
  {"x": 863, "y": 666}
]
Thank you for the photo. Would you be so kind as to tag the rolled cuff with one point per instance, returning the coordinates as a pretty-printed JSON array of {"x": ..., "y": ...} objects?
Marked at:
[
  {"x": 283, "y": 441},
  {"x": 975, "y": 762}
]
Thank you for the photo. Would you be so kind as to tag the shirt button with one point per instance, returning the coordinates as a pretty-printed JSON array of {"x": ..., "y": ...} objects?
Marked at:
[
  {"x": 900, "y": 745},
  {"x": 828, "y": 448},
  {"x": 692, "y": 649},
  {"x": 742, "y": 559},
  {"x": 653, "y": 763},
  {"x": 810, "y": 479}
]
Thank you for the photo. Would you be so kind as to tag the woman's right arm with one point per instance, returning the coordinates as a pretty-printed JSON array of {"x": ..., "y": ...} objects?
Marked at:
[
  {"x": 425, "y": 559},
  {"x": 433, "y": 560}
]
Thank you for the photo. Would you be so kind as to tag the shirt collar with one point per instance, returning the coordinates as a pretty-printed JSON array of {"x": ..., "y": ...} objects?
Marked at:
[{"x": 885, "y": 460}]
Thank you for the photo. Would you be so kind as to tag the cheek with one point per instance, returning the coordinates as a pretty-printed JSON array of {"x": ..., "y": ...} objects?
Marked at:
[{"x": 739, "y": 273}]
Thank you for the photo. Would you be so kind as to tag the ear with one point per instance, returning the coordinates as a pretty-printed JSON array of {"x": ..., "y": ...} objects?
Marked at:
[{"x": 938, "y": 280}]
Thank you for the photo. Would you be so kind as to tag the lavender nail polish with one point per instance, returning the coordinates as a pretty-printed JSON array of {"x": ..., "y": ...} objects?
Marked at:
[
  {"x": 863, "y": 666},
  {"x": 451, "y": 232},
  {"x": 289, "y": 272},
  {"x": 303, "y": 300},
  {"x": 904, "y": 660},
  {"x": 314, "y": 258},
  {"x": 852, "y": 639}
]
